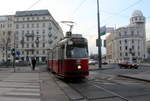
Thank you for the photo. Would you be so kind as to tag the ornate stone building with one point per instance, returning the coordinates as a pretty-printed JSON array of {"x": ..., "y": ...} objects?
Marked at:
[
  {"x": 33, "y": 33},
  {"x": 129, "y": 43}
]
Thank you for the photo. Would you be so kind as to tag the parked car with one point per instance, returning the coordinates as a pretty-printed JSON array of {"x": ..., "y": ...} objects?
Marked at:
[
  {"x": 92, "y": 62},
  {"x": 104, "y": 63},
  {"x": 128, "y": 65}
]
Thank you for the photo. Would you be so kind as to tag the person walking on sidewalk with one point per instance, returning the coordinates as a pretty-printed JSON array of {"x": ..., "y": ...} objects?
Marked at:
[{"x": 33, "y": 63}]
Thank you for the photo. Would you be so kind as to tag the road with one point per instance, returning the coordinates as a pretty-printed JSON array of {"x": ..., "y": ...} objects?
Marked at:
[
  {"x": 101, "y": 85},
  {"x": 105, "y": 85}
]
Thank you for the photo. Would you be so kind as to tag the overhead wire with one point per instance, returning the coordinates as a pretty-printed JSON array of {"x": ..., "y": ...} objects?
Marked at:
[
  {"x": 33, "y": 4},
  {"x": 132, "y": 5},
  {"x": 76, "y": 9}
]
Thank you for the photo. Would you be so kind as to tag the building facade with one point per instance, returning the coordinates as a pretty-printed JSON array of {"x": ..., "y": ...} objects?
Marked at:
[
  {"x": 129, "y": 43},
  {"x": 35, "y": 32},
  {"x": 6, "y": 37},
  {"x": 148, "y": 49}
]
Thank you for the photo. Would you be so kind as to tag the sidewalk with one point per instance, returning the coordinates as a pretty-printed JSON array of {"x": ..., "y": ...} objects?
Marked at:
[
  {"x": 138, "y": 76},
  {"x": 32, "y": 86}
]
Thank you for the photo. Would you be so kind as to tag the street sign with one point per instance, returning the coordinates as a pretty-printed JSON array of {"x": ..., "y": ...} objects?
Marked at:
[
  {"x": 98, "y": 43},
  {"x": 102, "y": 30}
]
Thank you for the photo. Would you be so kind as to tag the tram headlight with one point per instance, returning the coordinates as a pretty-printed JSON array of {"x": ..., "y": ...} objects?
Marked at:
[{"x": 79, "y": 67}]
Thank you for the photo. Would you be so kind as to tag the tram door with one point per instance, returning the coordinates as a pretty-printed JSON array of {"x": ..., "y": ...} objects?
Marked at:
[{"x": 61, "y": 59}]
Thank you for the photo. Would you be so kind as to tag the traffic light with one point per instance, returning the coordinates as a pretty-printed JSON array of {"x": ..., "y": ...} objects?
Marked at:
[{"x": 13, "y": 52}]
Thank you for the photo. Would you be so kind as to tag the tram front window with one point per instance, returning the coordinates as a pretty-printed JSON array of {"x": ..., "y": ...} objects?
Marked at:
[{"x": 77, "y": 52}]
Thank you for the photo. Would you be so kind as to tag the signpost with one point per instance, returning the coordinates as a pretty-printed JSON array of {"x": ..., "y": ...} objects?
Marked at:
[
  {"x": 99, "y": 36},
  {"x": 13, "y": 53}
]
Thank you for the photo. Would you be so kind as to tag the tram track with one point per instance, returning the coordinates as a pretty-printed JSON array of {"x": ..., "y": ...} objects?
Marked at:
[
  {"x": 111, "y": 95},
  {"x": 98, "y": 89}
]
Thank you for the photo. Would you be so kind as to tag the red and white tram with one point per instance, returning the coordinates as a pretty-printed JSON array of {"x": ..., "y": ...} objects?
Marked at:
[{"x": 69, "y": 58}]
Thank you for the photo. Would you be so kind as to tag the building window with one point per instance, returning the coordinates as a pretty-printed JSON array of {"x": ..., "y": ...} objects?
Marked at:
[
  {"x": 125, "y": 33},
  {"x": 55, "y": 37},
  {"x": 32, "y": 51},
  {"x": 132, "y": 47},
  {"x": 27, "y": 38},
  {"x": 22, "y": 45},
  {"x": 17, "y": 26},
  {"x": 138, "y": 47},
  {"x": 22, "y": 32},
  {"x": 32, "y": 25},
  {"x": 43, "y": 31},
  {"x": 132, "y": 33},
  {"x": 138, "y": 53},
  {"x": 137, "y": 32},
  {"x": 119, "y": 33},
  {"x": 43, "y": 51},
  {"x": 43, "y": 38},
  {"x": 37, "y": 25},
  {"x": 27, "y": 25},
  {"x": 126, "y": 54},
  {"x": 23, "y": 19},
  {"x": 43, "y": 44},
  {"x": 37, "y": 18},
  {"x": 32, "y": 44},
  {"x": 126, "y": 47},
  {"x": 28, "y": 18},
  {"x": 3, "y": 33},
  {"x": 132, "y": 41},
  {"x": 37, "y": 32},
  {"x": 125, "y": 41},
  {"x": 27, "y": 52},
  {"x": 120, "y": 54},
  {"x": 37, "y": 45},
  {"x": 120, "y": 48},
  {"x": 9, "y": 33},
  {"x": 27, "y": 45},
  {"x": 22, "y": 25},
  {"x": 133, "y": 54},
  {"x": 120, "y": 41},
  {"x": 37, "y": 52},
  {"x": 32, "y": 18},
  {"x": 43, "y": 25}
]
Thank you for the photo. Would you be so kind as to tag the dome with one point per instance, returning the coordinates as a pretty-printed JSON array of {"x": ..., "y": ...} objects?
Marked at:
[{"x": 137, "y": 13}]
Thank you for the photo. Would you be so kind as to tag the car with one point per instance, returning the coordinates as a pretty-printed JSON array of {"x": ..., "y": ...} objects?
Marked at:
[
  {"x": 92, "y": 62},
  {"x": 104, "y": 63},
  {"x": 128, "y": 65}
]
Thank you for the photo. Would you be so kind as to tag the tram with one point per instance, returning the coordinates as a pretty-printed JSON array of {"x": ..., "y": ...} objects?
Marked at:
[{"x": 69, "y": 58}]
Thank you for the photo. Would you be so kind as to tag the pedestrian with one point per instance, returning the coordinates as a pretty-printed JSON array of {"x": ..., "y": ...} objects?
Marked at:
[{"x": 33, "y": 64}]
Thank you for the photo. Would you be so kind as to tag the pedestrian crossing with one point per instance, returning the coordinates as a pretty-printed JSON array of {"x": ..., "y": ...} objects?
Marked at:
[{"x": 20, "y": 87}]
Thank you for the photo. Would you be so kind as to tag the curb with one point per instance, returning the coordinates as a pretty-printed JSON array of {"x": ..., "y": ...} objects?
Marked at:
[
  {"x": 99, "y": 69},
  {"x": 134, "y": 78}
]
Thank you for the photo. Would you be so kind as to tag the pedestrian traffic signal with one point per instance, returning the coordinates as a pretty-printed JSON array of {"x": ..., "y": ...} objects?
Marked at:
[{"x": 13, "y": 52}]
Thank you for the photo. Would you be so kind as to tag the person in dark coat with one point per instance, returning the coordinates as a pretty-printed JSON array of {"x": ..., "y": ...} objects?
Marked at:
[{"x": 33, "y": 64}]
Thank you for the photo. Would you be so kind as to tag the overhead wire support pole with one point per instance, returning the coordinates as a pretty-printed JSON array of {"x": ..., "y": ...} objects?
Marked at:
[{"x": 99, "y": 37}]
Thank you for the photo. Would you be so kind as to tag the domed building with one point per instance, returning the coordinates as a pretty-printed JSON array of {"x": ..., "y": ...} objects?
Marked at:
[{"x": 129, "y": 43}]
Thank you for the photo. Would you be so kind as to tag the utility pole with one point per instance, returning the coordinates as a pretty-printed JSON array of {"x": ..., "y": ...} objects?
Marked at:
[{"x": 99, "y": 37}]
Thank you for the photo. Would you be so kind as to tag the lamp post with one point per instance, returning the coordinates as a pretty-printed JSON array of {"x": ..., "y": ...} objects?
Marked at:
[{"x": 99, "y": 37}]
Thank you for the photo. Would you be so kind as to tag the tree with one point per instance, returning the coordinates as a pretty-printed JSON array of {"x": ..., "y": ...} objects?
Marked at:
[{"x": 5, "y": 43}]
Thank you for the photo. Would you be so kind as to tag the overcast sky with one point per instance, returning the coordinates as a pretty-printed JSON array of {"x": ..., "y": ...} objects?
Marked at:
[{"x": 83, "y": 13}]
